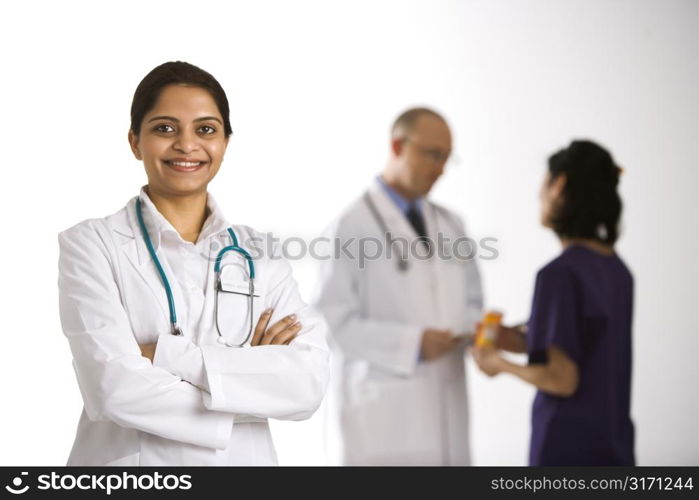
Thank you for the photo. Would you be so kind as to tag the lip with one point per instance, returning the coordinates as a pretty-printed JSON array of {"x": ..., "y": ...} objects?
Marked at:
[{"x": 185, "y": 164}]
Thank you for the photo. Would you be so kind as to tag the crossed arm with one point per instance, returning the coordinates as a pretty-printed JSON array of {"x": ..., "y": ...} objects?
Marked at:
[
  {"x": 281, "y": 333},
  {"x": 119, "y": 384}
]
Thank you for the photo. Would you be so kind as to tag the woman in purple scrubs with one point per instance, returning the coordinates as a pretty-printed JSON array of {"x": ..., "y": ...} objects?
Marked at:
[{"x": 578, "y": 338}]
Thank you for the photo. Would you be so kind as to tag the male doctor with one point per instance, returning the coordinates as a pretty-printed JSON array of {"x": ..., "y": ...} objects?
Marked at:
[{"x": 399, "y": 300}]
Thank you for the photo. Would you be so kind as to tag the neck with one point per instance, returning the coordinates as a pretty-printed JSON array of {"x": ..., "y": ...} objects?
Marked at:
[
  {"x": 394, "y": 182},
  {"x": 186, "y": 213},
  {"x": 593, "y": 244}
]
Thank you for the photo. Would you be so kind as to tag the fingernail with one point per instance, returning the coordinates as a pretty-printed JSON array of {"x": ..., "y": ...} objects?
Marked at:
[
  {"x": 292, "y": 316},
  {"x": 268, "y": 310}
]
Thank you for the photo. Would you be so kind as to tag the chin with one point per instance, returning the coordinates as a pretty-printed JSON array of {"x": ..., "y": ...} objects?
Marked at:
[
  {"x": 185, "y": 187},
  {"x": 426, "y": 190}
]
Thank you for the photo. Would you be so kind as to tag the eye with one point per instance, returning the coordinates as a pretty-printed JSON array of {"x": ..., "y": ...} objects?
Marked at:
[
  {"x": 435, "y": 155},
  {"x": 207, "y": 130},
  {"x": 163, "y": 128}
]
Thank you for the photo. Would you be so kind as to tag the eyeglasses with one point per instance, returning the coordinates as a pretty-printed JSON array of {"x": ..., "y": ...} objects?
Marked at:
[{"x": 435, "y": 155}]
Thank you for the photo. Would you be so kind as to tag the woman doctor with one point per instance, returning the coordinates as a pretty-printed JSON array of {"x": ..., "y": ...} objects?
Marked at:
[{"x": 156, "y": 299}]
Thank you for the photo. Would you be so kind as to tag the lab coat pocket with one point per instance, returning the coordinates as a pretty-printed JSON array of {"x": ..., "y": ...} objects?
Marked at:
[{"x": 237, "y": 310}]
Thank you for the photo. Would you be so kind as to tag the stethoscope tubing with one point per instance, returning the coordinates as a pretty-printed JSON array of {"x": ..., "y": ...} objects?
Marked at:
[
  {"x": 403, "y": 263},
  {"x": 174, "y": 328}
]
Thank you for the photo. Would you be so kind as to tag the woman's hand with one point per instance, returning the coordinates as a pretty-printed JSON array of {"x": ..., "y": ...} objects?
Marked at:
[
  {"x": 280, "y": 333},
  {"x": 488, "y": 359},
  {"x": 510, "y": 339},
  {"x": 148, "y": 350}
]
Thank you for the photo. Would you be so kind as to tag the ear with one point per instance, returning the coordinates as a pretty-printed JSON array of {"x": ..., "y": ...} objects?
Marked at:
[
  {"x": 397, "y": 146},
  {"x": 133, "y": 142},
  {"x": 558, "y": 184}
]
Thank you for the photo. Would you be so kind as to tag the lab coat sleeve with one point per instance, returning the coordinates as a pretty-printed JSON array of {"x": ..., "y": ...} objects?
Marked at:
[
  {"x": 182, "y": 357},
  {"x": 390, "y": 345},
  {"x": 116, "y": 382},
  {"x": 271, "y": 381}
]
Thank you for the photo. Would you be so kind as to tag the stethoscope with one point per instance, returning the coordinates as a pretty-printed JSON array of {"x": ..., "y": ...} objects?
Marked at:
[
  {"x": 174, "y": 328},
  {"x": 403, "y": 263}
]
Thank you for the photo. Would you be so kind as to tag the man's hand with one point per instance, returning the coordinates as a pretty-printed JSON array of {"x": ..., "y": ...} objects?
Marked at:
[
  {"x": 436, "y": 343},
  {"x": 148, "y": 350}
]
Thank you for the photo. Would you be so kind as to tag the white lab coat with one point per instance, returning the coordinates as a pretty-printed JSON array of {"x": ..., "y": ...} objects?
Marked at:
[
  {"x": 199, "y": 403},
  {"x": 394, "y": 409}
]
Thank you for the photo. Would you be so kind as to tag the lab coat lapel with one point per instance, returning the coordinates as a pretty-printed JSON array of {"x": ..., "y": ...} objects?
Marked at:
[
  {"x": 396, "y": 221},
  {"x": 438, "y": 274},
  {"x": 134, "y": 248},
  {"x": 422, "y": 281}
]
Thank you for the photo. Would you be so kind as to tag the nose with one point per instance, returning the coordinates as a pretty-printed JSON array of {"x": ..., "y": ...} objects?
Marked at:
[
  {"x": 186, "y": 141},
  {"x": 439, "y": 168}
]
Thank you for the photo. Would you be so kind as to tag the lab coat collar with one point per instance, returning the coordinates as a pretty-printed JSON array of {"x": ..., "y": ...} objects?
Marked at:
[
  {"x": 396, "y": 220},
  {"x": 157, "y": 225},
  {"x": 125, "y": 223},
  {"x": 401, "y": 202}
]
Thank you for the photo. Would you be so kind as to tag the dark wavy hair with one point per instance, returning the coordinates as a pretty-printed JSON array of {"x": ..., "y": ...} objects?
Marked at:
[
  {"x": 590, "y": 206},
  {"x": 176, "y": 73}
]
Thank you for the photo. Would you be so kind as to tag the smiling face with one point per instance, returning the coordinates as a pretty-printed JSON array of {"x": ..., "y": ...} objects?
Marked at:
[{"x": 181, "y": 142}]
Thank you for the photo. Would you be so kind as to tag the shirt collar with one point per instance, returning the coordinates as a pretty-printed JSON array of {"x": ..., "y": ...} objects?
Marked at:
[
  {"x": 401, "y": 202},
  {"x": 157, "y": 225}
]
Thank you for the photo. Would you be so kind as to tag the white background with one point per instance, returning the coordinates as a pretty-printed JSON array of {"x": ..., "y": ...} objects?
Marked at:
[{"x": 313, "y": 88}]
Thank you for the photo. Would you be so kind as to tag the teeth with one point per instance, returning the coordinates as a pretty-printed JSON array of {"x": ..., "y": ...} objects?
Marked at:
[{"x": 186, "y": 163}]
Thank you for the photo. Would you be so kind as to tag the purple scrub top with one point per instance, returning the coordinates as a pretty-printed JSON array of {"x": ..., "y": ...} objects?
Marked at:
[{"x": 583, "y": 304}]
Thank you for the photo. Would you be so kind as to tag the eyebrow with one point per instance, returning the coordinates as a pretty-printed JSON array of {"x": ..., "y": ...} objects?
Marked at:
[{"x": 173, "y": 119}]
